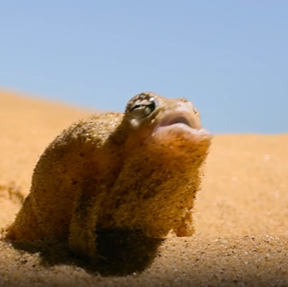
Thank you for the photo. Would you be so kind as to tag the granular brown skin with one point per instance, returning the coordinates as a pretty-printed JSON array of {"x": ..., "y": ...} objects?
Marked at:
[{"x": 139, "y": 170}]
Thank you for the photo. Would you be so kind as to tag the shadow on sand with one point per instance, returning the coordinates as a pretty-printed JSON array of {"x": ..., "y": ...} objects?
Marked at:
[{"x": 120, "y": 253}]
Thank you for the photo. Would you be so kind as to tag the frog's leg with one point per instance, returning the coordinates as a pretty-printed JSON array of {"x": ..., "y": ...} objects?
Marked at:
[
  {"x": 25, "y": 227},
  {"x": 82, "y": 232},
  {"x": 186, "y": 227}
]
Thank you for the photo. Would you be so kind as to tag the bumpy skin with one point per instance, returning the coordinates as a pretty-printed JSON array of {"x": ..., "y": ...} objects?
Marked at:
[{"x": 139, "y": 170}]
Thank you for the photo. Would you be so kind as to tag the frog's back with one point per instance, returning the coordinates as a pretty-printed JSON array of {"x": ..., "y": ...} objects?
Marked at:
[{"x": 70, "y": 158}]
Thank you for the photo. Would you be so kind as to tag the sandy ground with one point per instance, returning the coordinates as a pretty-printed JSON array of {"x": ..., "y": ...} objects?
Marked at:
[{"x": 241, "y": 214}]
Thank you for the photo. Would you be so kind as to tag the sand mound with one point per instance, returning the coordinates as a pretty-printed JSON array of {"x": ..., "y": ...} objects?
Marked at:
[{"x": 241, "y": 234}]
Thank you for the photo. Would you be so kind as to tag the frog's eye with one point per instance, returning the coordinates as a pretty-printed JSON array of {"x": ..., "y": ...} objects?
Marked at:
[{"x": 142, "y": 106}]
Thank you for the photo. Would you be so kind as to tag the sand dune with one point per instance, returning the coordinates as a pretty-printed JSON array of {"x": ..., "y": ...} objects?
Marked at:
[{"x": 241, "y": 214}]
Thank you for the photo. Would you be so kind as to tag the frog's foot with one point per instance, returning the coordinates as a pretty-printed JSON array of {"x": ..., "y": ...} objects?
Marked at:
[
  {"x": 82, "y": 240},
  {"x": 186, "y": 228}
]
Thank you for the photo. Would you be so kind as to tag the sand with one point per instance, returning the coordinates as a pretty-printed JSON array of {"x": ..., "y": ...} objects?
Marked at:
[{"x": 241, "y": 236}]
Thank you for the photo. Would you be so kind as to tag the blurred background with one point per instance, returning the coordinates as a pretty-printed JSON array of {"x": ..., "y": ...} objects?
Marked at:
[{"x": 229, "y": 57}]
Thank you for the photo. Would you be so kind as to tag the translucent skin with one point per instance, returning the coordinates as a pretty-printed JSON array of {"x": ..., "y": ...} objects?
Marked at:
[{"x": 139, "y": 170}]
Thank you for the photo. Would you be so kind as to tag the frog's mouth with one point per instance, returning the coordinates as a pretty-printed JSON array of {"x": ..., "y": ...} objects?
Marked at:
[
  {"x": 182, "y": 123},
  {"x": 179, "y": 118}
]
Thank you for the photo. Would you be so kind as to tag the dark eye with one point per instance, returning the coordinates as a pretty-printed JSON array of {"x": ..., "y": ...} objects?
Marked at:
[
  {"x": 148, "y": 107},
  {"x": 142, "y": 105}
]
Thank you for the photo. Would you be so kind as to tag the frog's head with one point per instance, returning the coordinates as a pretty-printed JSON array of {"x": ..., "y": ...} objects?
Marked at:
[{"x": 163, "y": 120}]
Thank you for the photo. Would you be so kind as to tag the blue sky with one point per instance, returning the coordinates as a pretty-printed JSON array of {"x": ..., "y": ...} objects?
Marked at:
[{"x": 229, "y": 57}]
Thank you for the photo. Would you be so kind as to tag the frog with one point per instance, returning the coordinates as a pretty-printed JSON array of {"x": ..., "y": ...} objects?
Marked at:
[{"x": 134, "y": 170}]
